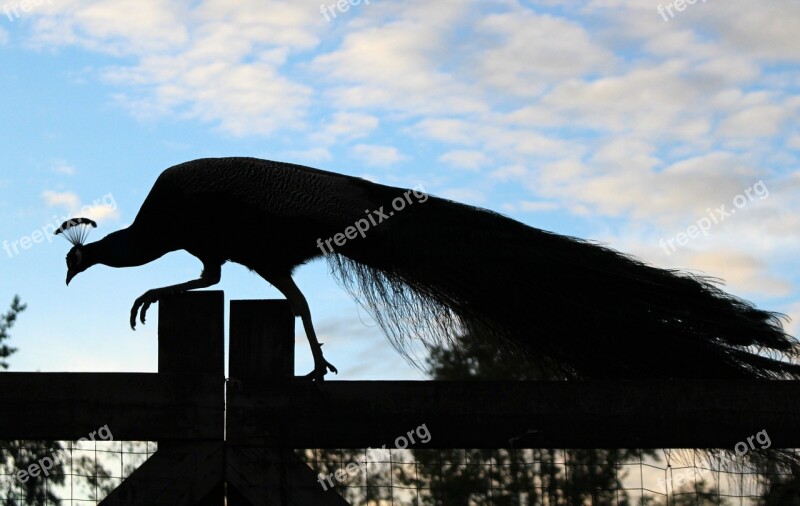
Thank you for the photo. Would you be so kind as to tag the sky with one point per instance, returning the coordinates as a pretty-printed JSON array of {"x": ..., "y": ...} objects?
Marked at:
[{"x": 665, "y": 130}]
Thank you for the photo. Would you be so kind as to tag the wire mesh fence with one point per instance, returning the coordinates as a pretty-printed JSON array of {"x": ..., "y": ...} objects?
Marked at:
[
  {"x": 553, "y": 477},
  {"x": 83, "y": 473},
  {"x": 66, "y": 473}
]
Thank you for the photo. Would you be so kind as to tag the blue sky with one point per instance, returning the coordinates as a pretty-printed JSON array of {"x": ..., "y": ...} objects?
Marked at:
[{"x": 608, "y": 120}]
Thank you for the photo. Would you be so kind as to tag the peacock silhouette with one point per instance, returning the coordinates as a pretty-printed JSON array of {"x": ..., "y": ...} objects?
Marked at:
[{"x": 440, "y": 267}]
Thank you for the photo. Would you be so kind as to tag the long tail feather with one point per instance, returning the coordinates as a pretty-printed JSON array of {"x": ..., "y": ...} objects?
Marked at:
[{"x": 439, "y": 267}]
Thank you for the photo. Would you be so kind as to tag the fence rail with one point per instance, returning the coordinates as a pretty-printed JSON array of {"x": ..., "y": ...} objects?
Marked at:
[{"x": 205, "y": 443}]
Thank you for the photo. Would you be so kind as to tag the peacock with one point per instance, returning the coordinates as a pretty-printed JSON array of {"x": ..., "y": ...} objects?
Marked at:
[{"x": 431, "y": 268}]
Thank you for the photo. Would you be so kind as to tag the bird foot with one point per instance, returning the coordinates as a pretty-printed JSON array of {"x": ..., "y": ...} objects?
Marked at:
[
  {"x": 147, "y": 298},
  {"x": 320, "y": 370}
]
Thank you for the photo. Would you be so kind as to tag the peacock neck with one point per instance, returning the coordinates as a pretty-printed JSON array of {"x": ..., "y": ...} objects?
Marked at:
[{"x": 123, "y": 248}]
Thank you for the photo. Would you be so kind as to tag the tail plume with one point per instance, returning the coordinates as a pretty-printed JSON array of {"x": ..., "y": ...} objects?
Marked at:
[{"x": 585, "y": 310}]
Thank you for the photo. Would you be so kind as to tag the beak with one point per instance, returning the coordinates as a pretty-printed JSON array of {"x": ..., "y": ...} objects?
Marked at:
[{"x": 70, "y": 275}]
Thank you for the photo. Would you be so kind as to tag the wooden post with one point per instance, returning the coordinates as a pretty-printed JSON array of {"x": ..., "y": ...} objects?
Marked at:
[
  {"x": 262, "y": 349},
  {"x": 262, "y": 340},
  {"x": 191, "y": 338},
  {"x": 190, "y": 342},
  {"x": 191, "y": 334}
]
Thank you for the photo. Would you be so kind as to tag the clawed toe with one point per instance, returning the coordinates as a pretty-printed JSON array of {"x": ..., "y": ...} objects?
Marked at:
[
  {"x": 320, "y": 370},
  {"x": 141, "y": 305}
]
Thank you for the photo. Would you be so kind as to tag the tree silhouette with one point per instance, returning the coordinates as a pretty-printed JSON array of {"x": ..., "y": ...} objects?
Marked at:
[
  {"x": 511, "y": 477},
  {"x": 6, "y": 322},
  {"x": 370, "y": 482},
  {"x": 780, "y": 482},
  {"x": 18, "y": 455},
  {"x": 701, "y": 493}
]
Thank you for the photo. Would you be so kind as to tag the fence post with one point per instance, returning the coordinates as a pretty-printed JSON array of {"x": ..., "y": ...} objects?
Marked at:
[
  {"x": 262, "y": 350},
  {"x": 191, "y": 342},
  {"x": 261, "y": 341},
  {"x": 191, "y": 334}
]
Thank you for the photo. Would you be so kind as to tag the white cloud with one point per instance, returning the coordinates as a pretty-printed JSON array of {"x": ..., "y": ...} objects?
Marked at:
[
  {"x": 99, "y": 212},
  {"x": 100, "y": 209},
  {"x": 653, "y": 101},
  {"x": 528, "y": 52},
  {"x": 793, "y": 312},
  {"x": 68, "y": 200},
  {"x": 510, "y": 172},
  {"x": 345, "y": 126},
  {"x": 767, "y": 31},
  {"x": 215, "y": 61},
  {"x": 116, "y": 27},
  {"x": 465, "y": 160},
  {"x": 648, "y": 122},
  {"x": 621, "y": 180},
  {"x": 377, "y": 155},
  {"x": 725, "y": 255},
  {"x": 760, "y": 121},
  {"x": 743, "y": 272},
  {"x": 394, "y": 62},
  {"x": 243, "y": 98},
  {"x": 451, "y": 130},
  {"x": 536, "y": 206}
]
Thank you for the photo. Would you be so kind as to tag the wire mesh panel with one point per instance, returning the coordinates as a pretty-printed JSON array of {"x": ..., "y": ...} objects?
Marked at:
[
  {"x": 66, "y": 472},
  {"x": 551, "y": 477}
]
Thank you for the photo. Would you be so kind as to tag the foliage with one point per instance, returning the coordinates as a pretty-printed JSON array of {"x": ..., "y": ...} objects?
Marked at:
[
  {"x": 20, "y": 454},
  {"x": 514, "y": 477},
  {"x": 6, "y": 322}
]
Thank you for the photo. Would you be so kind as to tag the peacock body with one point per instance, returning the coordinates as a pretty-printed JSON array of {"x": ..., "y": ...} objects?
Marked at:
[{"x": 438, "y": 269}]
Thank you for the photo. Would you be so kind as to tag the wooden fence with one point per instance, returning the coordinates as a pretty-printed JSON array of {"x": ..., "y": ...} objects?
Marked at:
[{"x": 235, "y": 437}]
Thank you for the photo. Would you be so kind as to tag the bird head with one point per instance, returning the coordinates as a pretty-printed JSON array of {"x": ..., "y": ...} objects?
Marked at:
[
  {"x": 75, "y": 231},
  {"x": 75, "y": 262}
]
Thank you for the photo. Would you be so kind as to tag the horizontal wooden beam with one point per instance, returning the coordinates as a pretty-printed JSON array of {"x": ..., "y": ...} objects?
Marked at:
[
  {"x": 142, "y": 406},
  {"x": 610, "y": 414},
  {"x": 134, "y": 406}
]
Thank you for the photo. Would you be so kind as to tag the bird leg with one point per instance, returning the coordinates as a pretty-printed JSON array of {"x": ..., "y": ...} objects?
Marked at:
[
  {"x": 299, "y": 305},
  {"x": 210, "y": 276}
]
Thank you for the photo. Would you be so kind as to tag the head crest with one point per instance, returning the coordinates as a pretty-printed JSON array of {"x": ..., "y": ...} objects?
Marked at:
[{"x": 76, "y": 230}]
